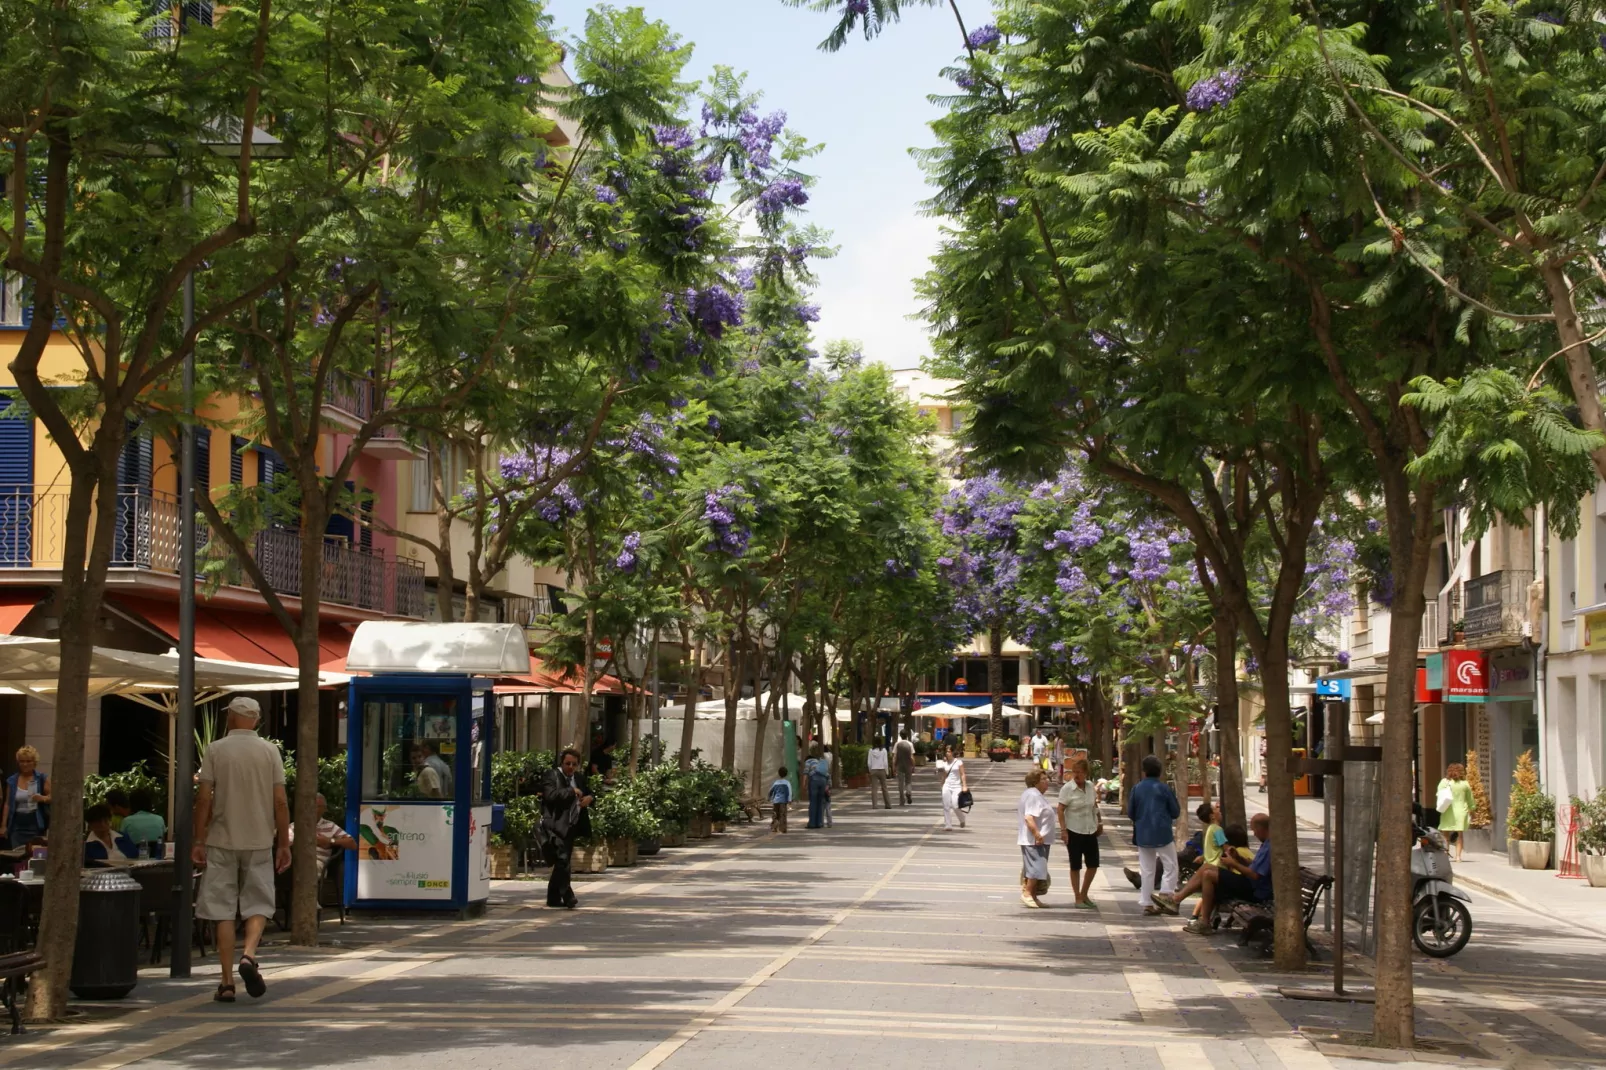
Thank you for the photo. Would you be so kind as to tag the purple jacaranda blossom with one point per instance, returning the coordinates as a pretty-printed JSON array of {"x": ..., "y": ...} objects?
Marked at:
[
  {"x": 779, "y": 195},
  {"x": 1215, "y": 91},
  {"x": 524, "y": 79},
  {"x": 713, "y": 174},
  {"x": 1008, "y": 206},
  {"x": 1553, "y": 19},
  {"x": 964, "y": 81},
  {"x": 1343, "y": 659},
  {"x": 808, "y": 313},
  {"x": 673, "y": 137},
  {"x": 983, "y": 36},
  {"x": 714, "y": 309},
  {"x": 1032, "y": 140},
  {"x": 607, "y": 195},
  {"x": 626, "y": 561},
  {"x": 721, "y": 509},
  {"x": 858, "y": 7}
]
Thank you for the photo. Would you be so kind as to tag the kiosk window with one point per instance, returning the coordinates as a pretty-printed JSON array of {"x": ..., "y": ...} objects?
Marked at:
[{"x": 409, "y": 748}]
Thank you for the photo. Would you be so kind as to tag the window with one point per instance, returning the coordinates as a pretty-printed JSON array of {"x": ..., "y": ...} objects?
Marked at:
[
  {"x": 10, "y": 300},
  {"x": 409, "y": 749},
  {"x": 423, "y": 496}
]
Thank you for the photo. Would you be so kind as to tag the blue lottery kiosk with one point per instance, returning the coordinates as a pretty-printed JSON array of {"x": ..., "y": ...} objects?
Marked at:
[{"x": 418, "y": 800}]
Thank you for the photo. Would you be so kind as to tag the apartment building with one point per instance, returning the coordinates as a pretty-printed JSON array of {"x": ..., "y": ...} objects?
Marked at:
[{"x": 1571, "y": 758}]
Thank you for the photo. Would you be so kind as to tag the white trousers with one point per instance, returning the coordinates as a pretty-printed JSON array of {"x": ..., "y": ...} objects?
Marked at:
[
  {"x": 1168, "y": 862},
  {"x": 950, "y": 806}
]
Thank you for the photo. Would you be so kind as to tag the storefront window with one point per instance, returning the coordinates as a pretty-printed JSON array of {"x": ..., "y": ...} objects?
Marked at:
[{"x": 409, "y": 748}]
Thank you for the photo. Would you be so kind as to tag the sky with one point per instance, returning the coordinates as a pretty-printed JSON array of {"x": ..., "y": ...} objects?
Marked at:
[{"x": 868, "y": 105}]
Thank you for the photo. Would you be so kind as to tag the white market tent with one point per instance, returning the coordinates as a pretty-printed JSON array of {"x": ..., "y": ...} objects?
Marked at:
[
  {"x": 30, "y": 666},
  {"x": 948, "y": 709},
  {"x": 386, "y": 646}
]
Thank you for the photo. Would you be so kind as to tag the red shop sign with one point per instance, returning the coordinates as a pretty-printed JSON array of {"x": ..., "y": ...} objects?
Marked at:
[
  {"x": 1423, "y": 694},
  {"x": 1466, "y": 674}
]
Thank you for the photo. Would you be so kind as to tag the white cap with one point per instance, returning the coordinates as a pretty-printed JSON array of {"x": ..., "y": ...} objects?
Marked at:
[{"x": 245, "y": 707}]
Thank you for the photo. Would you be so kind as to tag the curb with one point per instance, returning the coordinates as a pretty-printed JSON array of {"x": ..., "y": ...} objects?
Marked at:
[{"x": 1519, "y": 900}]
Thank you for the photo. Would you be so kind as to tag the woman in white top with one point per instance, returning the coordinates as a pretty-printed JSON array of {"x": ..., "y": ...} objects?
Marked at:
[
  {"x": 878, "y": 772},
  {"x": 1035, "y": 836},
  {"x": 954, "y": 781}
]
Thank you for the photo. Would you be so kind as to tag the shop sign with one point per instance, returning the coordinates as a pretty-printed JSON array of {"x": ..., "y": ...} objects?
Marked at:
[
  {"x": 1327, "y": 688},
  {"x": 1511, "y": 676},
  {"x": 1435, "y": 673},
  {"x": 1594, "y": 629},
  {"x": 1424, "y": 693},
  {"x": 404, "y": 852},
  {"x": 1466, "y": 676},
  {"x": 1027, "y": 695}
]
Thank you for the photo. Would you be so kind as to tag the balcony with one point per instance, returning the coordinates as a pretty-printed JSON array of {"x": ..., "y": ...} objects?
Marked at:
[
  {"x": 33, "y": 521},
  {"x": 1449, "y": 613},
  {"x": 530, "y": 612},
  {"x": 352, "y": 401},
  {"x": 1496, "y": 607}
]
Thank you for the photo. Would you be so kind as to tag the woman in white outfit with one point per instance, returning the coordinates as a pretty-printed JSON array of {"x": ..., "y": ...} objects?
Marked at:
[{"x": 954, "y": 781}]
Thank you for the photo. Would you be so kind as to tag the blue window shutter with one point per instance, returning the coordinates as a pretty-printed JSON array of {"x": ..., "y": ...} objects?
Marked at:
[
  {"x": 236, "y": 459},
  {"x": 341, "y": 525},
  {"x": 16, "y": 488}
]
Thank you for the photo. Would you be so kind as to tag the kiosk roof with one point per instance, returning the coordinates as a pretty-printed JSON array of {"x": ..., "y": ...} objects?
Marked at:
[{"x": 385, "y": 646}]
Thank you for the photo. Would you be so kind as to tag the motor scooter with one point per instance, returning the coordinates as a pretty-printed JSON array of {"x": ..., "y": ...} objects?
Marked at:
[{"x": 1441, "y": 922}]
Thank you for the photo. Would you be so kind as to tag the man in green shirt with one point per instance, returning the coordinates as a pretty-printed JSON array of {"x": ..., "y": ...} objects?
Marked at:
[{"x": 141, "y": 825}]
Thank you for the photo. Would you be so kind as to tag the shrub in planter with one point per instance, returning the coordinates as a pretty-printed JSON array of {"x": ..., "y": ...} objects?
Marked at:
[
  {"x": 855, "y": 759},
  {"x": 1531, "y": 819},
  {"x": 1592, "y": 838},
  {"x": 97, "y": 785},
  {"x": 518, "y": 773}
]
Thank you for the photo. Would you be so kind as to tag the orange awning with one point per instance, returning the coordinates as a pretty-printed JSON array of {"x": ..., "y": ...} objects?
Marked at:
[
  {"x": 544, "y": 681},
  {"x": 15, "y": 605},
  {"x": 233, "y": 635}
]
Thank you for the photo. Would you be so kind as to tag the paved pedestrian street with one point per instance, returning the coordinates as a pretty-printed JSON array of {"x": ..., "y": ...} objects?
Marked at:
[{"x": 884, "y": 942}]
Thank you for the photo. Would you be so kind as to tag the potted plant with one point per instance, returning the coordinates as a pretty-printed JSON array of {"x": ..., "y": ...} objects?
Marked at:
[
  {"x": 611, "y": 823},
  {"x": 1592, "y": 838},
  {"x": 590, "y": 855},
  {"x": 673, "y": 835},
  {"x": 855, "y": 765},
  {"x": 1458, "y": 630},
  {"x": 1477, "y": 834},
  {"x": 923, "y": 751},
  {"x": 999, "y": 750},
  {"x": 1531, "y": 820}
]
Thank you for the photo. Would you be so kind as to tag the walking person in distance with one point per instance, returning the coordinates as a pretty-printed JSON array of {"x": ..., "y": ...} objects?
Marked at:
[
  {"x": 1455, "y": 805},
  {"x": 817, "y": 772},
  {"x": 1153, "y": 807},
  {"x": 954, "y": 781},
  {"x": 780, "y": 799},
  {"x": 878, "y": 772},
  {"x": 903, "y": 763},
  {"x": 242, "y": 837},
  {"x": 1035, "y": 836},
  {"x": 565, "y": 817},
  {"x": 1078, "y": 813}
]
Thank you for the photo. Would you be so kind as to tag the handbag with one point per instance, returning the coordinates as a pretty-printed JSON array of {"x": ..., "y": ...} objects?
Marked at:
[{"x": 966, "y": 800}]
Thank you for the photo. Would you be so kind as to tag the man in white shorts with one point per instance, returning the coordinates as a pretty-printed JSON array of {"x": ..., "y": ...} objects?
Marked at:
[{"x": 242, "y": 835}]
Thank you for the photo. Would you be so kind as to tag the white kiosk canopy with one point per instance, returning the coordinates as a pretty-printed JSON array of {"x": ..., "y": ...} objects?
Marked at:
[{"x": 385, "y": 646}]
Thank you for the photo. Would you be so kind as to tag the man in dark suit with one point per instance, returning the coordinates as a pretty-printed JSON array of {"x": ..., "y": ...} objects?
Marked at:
[{"x": 565, "y": 817}]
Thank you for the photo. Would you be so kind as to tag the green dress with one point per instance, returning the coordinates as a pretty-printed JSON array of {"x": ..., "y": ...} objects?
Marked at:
[{"x": 1454, "y": 817}]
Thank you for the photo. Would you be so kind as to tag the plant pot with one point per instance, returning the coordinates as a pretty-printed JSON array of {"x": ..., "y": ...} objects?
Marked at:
[
  {"x": 717, "y": 826},
  {"x": 592, "y": 858},
  {"x": 622, "y": 852},
  {"x": 999, "y": 755},
  {"x": 1195, "y": 791},
  {"x": 859, "y": 780},
  {"x": 700, "y": 828},
  {"x": 920, "y": 760},
  {"x": 677, "y": 838},
  {"x": 1529, "y": 854},
  {"x": 501, "y": 857},
  {"x": 1479, "y": 841},
  {"x": 648, "y": 848},
  {"x": 1594, "y": 869},
  {"x": 1459, "y": 637}
]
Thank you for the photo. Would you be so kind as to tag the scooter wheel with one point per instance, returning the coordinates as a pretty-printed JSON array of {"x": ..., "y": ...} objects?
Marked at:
[{"x": 1452, "y": 932}]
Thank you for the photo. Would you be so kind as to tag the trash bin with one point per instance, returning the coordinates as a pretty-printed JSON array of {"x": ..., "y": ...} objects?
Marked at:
[{"x": 105, "y": 962}]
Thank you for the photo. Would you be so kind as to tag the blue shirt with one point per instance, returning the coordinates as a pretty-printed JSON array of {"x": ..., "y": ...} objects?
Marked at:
[
  {"x": 781, "y": 791},
  {"x": 1261, "y": 866},
  {"x": 95, "y": 851},
  {"x": 1153, "y": 807}
]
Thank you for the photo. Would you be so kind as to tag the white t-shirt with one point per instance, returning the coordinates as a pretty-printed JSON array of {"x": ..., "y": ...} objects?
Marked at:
[
  {"x": 1035, "y": 804},
  {"x": 954, "y": 779},
  {"x": 878, "y": 760},
  {"x": 1038, "y": 746}
]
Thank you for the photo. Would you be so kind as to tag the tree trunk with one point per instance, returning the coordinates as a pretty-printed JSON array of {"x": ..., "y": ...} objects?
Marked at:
[
  {"x": 1289, "y": 922},
  {"x": 1179, "y": 782},
  {"x": 91, "y": 502},
  {"x": 694, "y": 687},
  {"x": 1394, "y": 1020},
  {"x": 733, "y": 698},
  {"x": 1581, "y": 375},
  {"x": 1232, "y": 766},
  {"x": 995, "y": 675}
]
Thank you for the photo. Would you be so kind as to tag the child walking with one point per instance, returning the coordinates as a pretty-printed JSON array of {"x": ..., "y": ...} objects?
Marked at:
[{"x": 780, "y": 798}]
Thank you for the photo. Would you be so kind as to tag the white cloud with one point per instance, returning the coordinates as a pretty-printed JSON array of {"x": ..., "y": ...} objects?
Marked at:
[{"x": 867, "y": 292}]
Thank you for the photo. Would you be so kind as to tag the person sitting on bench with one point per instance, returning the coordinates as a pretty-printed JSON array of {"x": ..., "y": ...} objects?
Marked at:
[{"x": 1232, "y": 879}]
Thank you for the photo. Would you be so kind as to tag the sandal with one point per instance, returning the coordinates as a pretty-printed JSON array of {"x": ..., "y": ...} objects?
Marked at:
[
  {"x": 1152, "y": 912},
  {"x": 252, "y": 976},
  {"x": 224, "y": 994}
]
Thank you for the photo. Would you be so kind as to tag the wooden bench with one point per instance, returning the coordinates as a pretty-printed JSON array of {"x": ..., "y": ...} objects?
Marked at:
[
  {"x": 15, "y": 969},
  {"x": 1258, "y": 918}
]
